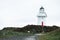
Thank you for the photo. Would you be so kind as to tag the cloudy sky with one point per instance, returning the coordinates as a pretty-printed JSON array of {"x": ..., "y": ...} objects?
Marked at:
[{"x": 23, "y": 12}]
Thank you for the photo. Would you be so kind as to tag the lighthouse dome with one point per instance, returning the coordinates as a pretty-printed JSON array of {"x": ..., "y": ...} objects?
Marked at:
[{"x": 41, "y": 8}]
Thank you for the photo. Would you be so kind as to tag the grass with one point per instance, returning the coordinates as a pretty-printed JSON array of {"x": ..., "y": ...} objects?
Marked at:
[
  {"x": 54, "y": 35},
  {"x": 12, "y": 33}
]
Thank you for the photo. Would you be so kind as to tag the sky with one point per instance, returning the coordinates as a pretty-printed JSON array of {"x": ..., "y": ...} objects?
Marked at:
[{"x": 18, "y": 13}]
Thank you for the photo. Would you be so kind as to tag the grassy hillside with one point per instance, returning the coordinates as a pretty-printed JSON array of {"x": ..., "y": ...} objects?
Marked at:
[
  {"x": 26, "y": 30},
  {"x": 54, "y": 35},
  {"x": 10, "y": 33}
]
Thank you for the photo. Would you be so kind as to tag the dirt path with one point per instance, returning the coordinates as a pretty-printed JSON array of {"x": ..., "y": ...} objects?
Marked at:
[{"x": 33, "y": 37}]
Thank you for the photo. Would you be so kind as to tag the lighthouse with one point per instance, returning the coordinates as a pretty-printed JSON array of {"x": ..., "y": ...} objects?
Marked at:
[{"x": 41, "y": 16}]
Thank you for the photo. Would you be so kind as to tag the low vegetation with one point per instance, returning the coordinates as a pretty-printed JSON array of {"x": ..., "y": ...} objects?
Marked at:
[
  {"x": 54, "y": 35},
  {"x": 26, "y": 30},
  {"x": 12, "y": 33}
]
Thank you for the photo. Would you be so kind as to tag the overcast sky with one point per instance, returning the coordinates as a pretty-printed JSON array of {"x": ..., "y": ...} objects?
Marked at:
[{"x": 24, "y": 12}]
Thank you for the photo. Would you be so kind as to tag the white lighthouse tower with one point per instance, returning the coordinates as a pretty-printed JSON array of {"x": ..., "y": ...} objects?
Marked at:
[{"x": 41, "y": 16}]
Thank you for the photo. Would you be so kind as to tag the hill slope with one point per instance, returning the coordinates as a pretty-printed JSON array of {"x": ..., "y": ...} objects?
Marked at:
[
  {"x": 26, "y": 30},
  {"x": 54, "y": 35}
]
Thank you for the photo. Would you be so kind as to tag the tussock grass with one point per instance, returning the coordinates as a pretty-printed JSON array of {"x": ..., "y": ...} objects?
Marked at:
[{"x": 54, "y": 35}]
